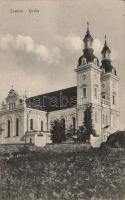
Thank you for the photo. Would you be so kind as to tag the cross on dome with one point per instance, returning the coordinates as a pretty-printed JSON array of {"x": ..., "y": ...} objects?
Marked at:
[
  {"x": 105, "y": 40},
  {"x": 87, "y": 26}
]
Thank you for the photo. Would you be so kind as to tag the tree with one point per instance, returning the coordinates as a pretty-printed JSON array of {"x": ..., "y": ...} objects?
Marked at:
[
  {"x": 57, "y": 132},
  {"x": 88, "y": 123}
]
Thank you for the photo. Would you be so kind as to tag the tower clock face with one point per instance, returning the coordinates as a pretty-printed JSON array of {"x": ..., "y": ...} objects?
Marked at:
[
  {"x": 103, "y": 85},
  {"x": 84, "y": 76}
]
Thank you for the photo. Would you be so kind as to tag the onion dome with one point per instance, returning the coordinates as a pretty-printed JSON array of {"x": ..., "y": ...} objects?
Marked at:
[
  {"x": 12, "y": 93},
  {"x": 106, "y": 61},
  {"x": 106, "y": 51},
  {"x": 88, "y": 51}
]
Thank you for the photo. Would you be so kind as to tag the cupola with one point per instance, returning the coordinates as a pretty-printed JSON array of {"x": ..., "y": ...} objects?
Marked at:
[
  {"x": 88, "y": 51},
  {"x": 106, "y": 60}
]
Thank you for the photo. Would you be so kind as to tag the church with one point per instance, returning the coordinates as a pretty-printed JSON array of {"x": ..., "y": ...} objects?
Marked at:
[{"x": 97, "y": 84}]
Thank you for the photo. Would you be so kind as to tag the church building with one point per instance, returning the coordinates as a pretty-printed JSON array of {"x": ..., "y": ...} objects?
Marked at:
[{"x": 97, "y": 84}]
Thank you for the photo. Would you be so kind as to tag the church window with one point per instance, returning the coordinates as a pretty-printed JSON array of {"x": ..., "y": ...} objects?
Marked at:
[
  {"x": 84, "y": 92},
  {"x": 31, "y": 124},
  {"x": 103, "y": 96},
  {"x": 95, "y": 92},
  {"x": 113, "y": 99},
  {"x": 41, "y": 125},
  {"x": 74, "y": 123},
  {"x": 8, "y": 134},
  {"x": 17, "y": 126}
]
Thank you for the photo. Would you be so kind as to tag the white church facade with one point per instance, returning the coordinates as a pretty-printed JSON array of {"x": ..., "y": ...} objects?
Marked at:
[{"x": 96, "y": 85}]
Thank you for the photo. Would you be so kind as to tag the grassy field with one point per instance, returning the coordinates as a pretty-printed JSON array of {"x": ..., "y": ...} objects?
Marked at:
[{"x": 86, "y": 175}]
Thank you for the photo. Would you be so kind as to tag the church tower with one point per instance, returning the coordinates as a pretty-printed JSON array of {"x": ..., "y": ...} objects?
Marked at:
[
  {"x": 89, "y": 84},
  {"x": 109, "y": 91}
]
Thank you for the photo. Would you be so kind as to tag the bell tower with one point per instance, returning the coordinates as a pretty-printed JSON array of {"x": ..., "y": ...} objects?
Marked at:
[
  {"x": 88, "y": 82},
  {"x": 109, "y": 88}
]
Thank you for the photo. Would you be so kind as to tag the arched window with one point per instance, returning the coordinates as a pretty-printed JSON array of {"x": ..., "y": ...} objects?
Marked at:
[
  {"x": 41, "y": 125},
  {"x": 8, "y": 130},
  {"x": 83, "y": 61},
  {"x": 31, "y": 124},
  {"x": 114, "y": 99},
  {"x": 84, "y": 93},
  {"x": 17, "y": 126},
  {"x": 73, "y": 123},
  {"x": 103, "y": 95},
  {"x": 95, "y": 92},
  {"x": 103, "y": 70},
  {"x": 63, "y": 123}
]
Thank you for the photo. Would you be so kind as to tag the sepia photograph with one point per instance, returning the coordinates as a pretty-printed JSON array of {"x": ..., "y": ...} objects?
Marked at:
[{"x": 62, "y": 100}]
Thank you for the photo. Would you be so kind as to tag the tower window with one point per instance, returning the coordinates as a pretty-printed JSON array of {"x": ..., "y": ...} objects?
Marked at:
[
  {"x": 41, "y": 125},
  {"x": 95, "y": 93},
  {"x": 103, "y": 96},
  {"x": 113, "y": 99},
  {"x": 31, "y": 124},
  {"x": 74, "y": 123},
  {"x": 17, "y": 126},
  {"x": 8, "y": 134},
  {"x": 84, "y": 92}
]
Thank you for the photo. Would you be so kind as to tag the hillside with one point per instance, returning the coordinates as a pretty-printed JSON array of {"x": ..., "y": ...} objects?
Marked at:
[{"x": 92, "y": 174}]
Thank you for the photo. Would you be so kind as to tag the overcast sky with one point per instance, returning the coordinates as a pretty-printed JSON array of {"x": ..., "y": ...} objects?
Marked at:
[{"x": 39, "y": 51}]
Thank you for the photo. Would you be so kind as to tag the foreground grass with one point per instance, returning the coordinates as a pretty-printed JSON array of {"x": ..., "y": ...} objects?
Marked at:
[{"x": 92, "y": 174}]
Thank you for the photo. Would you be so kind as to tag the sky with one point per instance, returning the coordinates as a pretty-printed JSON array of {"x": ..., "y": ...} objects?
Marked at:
[{"x": 39, "y": 50}]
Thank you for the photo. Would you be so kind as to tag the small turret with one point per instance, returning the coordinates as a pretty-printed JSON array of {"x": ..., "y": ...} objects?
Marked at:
[
  {"x": 88, "y": 51},
  {"x": 106, "y": 60}
]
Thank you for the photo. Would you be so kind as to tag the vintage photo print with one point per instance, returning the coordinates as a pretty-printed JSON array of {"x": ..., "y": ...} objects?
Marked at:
[{"x": 62, "y": 100}]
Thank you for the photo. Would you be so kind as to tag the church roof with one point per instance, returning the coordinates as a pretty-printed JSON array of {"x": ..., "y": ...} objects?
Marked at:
[{"x": 53, "y": 101}]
